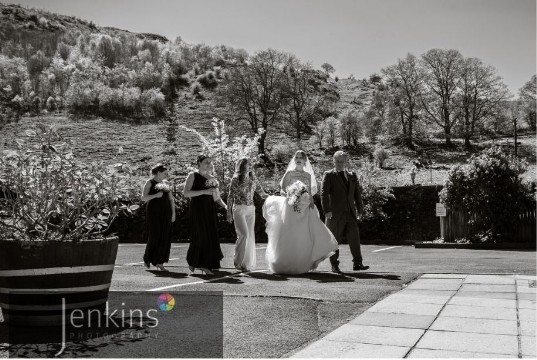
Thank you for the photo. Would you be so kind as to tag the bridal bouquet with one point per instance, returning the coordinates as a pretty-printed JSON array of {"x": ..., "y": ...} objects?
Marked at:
[
  {"x": 164, "y": 187},
  {"x": 211, "y": 183},
  {"x": 295, "y": 193}
]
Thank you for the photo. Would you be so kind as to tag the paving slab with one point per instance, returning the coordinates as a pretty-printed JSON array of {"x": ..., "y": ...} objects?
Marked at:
[
  {"x": 421, "y": 299},
  {"x": 468, "y": 342},
  {"x": 436, "y": 284},
  {"x": 526, "y": 314},
  {"x": 342, "y": 349},
  {"x": 488, "y": 294},
  {"x": 394, "y": 320},
  {"x": 527, "y": 296},
  {"x": 488, "y": 288},
  {"x": 527, "y": 277},
  {"x": 376, "y": 335},
  {"x": 489, "y": 279},
  {"x": 479, "y": 312},
  {"x": 527, "y": 345},
  {"x": 406, "y": 308},
  {"x": 447, "y": 354},
  {"x": 525, "y": 289},
  {"x": 483, "y": 326},
  {"x": 423, "y": 292},
  {"x": 475, "y": 301},
  {"x": 443, "y": 276},
  {"x": 527, "y": 304},
  {"x": 527, "y": 328}
]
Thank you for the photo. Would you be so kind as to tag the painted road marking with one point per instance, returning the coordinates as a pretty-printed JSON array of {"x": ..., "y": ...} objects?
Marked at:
[
  {"x": 388, "y": 248},
  {"x": 201, "y": 281}
]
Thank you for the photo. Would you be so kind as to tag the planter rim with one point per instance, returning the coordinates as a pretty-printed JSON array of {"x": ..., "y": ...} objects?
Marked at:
[{"x": 40, "y": 241}]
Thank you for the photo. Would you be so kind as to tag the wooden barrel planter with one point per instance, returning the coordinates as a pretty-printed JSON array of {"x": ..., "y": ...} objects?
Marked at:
[{"x": 35, "y": 277}]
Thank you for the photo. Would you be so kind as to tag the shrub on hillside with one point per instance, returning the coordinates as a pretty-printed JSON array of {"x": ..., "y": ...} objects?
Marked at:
[
  {"x": 490, "y": 190},
  {"x": 195, "y": 88},
  {"x": 51, "y": 104},
  {"x": 380, "y": 154},
  {"x": 282, "y": 153},
  {"x": 208, "y": 80}
]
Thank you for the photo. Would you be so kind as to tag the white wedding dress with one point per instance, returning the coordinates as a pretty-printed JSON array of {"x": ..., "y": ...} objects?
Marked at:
[{"x": 297, "y": 241}]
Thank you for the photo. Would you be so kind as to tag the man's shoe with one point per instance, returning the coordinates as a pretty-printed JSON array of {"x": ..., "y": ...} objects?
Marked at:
[
  {"x": 335, "y": 269},
  {"x": 360, "y": 267}
]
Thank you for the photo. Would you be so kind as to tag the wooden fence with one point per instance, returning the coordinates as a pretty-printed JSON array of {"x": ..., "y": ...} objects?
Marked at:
[{"x": 523, "y": 230}]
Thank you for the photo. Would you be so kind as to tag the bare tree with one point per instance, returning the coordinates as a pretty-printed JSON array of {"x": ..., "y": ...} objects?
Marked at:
[
  {"x": 349, "y": 128},
  {"x": 404, "y": 81},
  {"x": 332, "y": 124},
  {"x": 257, "y": 90},
  {"x": 442, "y": 78},
  {"x": 482, "y": 91},
  {"x": 320, "y": 131},
  {"x": 304, "y": 103},
  {"x": 528, "y": 96}
]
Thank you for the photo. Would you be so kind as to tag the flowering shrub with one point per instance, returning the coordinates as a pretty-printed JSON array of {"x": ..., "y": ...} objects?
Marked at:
[
  {"x": 46, "y": 194},
  {"x": 225, "y": 151},
  {"x": 490, "y": 190}
]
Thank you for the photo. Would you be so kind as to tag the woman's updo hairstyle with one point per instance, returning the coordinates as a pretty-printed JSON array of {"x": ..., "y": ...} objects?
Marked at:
[
  {"x": 200, "y": 159},
  {"x": 158, "y": 169}
]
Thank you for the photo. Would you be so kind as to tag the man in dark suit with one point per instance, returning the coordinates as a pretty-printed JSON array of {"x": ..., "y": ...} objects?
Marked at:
[{"x": 341, "y": 197}]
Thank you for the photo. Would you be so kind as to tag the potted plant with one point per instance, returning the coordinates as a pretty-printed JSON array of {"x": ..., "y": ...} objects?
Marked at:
[{"x": 54, "y": 214}]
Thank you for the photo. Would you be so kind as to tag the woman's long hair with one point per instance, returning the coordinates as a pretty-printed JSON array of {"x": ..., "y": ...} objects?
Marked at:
[{"x": 240, "y": 173}]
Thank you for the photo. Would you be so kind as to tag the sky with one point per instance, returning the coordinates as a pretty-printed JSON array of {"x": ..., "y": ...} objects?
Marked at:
[{"x": 357, "y": 37}]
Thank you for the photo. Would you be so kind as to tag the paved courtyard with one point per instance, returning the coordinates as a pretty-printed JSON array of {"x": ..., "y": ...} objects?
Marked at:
[{"x": 442, "y": 316}]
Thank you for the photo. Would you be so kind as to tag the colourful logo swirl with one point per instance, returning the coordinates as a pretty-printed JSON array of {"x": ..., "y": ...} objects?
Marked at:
[{"x": 166, "y": 302}]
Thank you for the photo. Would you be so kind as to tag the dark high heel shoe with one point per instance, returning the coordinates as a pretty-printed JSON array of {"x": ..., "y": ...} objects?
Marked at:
[
  {"x": 207, "y": 271},
  {"x": 162, "y": 268},
  {"x": 192, "y": 269}
]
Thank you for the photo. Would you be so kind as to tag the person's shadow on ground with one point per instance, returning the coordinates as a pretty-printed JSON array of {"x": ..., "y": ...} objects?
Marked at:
[
  {"x": 168, "y": 274},
  {"x": 325, "y": 277}
]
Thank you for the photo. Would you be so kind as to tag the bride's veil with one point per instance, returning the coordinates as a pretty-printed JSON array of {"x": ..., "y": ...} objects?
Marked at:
[{"x": 307, "y": 168}]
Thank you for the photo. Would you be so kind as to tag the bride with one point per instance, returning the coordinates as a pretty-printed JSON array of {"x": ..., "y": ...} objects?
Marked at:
[{"x": 297, "y": 238}]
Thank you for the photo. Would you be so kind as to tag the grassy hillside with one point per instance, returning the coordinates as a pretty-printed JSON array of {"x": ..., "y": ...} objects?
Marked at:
[{"x": 145, "y": 144}]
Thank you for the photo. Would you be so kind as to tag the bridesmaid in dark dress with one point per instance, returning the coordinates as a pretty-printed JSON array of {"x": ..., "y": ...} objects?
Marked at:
[
  {"x": 201, "y": 187},
  {"x": 160, "y": 214}
]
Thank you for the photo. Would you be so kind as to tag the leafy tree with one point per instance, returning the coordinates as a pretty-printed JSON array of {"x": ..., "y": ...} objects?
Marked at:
[{"x": 328, "y": 69}]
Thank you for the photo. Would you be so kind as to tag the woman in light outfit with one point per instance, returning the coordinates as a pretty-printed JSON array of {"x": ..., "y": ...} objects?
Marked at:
[
  {"x": 241, "y": 210},
  {"x": 297, "y": 238}
]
